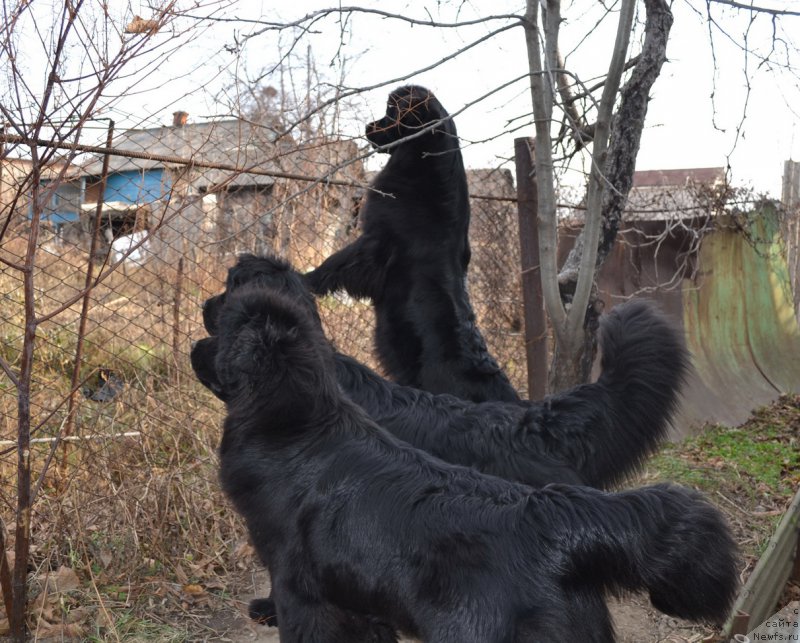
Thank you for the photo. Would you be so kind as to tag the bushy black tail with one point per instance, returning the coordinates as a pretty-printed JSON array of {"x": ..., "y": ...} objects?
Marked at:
[
  {"x": 663, "y": 539},
  {"x": 622, "y": 417}
]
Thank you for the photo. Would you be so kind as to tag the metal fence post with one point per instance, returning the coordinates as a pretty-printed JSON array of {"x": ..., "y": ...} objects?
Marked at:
[{"x": 532, "y": 299}]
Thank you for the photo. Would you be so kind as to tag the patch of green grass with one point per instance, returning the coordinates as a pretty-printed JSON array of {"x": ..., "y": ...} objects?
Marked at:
[
  {"x": 760, "y": 457},
  {"x": 669, "y": 465},
  {"x": 764, "y": 456},
  {"x": 750, "y": 471}
]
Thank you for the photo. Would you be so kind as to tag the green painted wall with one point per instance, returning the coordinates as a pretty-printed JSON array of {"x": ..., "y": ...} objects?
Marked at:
[{"x": 740, "y": 322}]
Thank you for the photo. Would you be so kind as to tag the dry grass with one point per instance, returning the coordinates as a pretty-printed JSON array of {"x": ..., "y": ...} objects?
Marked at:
[
  {"x": 134, "y": 517},
  {"x": 131, "y": 536}
]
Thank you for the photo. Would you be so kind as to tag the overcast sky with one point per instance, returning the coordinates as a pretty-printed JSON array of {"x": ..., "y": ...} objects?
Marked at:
[{"x": 685, "y": 128}]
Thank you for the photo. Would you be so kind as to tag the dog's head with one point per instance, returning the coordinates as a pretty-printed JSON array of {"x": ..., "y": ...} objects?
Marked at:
[
  {"x": 269, "y": 351},
  {"x": 265, "y": 271},
  {"x": 410, "y": 108}
]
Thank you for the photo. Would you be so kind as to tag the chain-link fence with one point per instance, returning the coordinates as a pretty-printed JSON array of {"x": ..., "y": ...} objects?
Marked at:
[{"x": 106, "y": 263}]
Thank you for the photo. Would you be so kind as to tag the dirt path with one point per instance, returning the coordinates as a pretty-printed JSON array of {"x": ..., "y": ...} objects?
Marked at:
[{"x": 635, "y": 621}]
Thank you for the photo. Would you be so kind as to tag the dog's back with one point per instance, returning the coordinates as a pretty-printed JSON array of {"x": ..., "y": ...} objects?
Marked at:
[
  {"x": 593, "y": 434},
  {"x": 362, "y": 532}
]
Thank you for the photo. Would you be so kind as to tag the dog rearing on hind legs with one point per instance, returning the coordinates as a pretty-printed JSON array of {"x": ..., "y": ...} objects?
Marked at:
[
  {"x": 364, "y": 535},
  {"x": 412, "y": 256}
]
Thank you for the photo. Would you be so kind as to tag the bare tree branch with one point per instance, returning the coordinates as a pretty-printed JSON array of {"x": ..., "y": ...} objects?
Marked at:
[
  {"x": 322, "y": 13},
  {"x": 756, "y": 8},
  {"x": 542, "y": 99},
  {"x": 597, "y": 179},
  {"x": 626, "y": 135}
]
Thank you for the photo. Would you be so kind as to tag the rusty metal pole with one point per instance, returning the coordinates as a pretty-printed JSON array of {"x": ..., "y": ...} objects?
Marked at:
[
  {"x": 532, "y": 298},
  {"x": 176, "y": 317}
]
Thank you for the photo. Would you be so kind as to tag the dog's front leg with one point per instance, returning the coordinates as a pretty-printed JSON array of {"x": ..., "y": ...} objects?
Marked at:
[
  {"x": 357, "y": 269},
  {"x": 303, "y": 622}
]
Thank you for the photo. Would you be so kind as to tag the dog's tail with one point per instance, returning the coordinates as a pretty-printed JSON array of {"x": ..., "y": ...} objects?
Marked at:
[
  {"x": 623, "y": 417},
  {"x": 664, "y": 539}
]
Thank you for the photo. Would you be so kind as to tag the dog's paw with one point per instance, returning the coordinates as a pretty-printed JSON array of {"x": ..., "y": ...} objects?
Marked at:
[{"x": 262, "y": 611}]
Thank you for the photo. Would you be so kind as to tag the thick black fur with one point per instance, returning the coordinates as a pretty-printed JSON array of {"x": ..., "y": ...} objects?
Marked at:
[
  {"x": 364, "y": 535},
  {"x": 412, "y": 256},
  {"x": 594, "y": 434}
]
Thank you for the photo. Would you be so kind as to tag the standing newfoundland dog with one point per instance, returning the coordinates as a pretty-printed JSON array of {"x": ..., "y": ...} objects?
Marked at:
[
  {"x": 364, "y": 535},
  {"x": 411, "y": 259}
]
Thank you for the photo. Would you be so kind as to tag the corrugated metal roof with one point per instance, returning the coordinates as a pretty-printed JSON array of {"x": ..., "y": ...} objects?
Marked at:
[
  {"x": 229, "y": 142},
  {"x": 676, "y": 178},
  {"x": 664, "y": 195}
]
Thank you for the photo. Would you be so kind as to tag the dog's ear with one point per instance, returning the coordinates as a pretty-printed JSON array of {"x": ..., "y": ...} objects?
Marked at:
[
  {"x": 211, "y": 308},
  {"x": 203, "y": 358}
]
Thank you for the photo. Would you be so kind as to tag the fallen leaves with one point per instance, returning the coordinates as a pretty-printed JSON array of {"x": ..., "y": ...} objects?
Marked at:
[{"x": 57, "y": 614}]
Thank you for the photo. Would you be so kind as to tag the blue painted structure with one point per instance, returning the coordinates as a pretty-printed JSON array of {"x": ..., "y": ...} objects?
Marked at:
[
  {"x": 134, "y": 187},
  {"x": 65, "y": 202},
  {"x": 137, "y": 186}
]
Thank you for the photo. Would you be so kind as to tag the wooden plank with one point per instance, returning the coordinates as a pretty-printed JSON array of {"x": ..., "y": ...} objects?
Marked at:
[
  {"x": 532, "y": 297},
  {"x": 759, "y": 596}
]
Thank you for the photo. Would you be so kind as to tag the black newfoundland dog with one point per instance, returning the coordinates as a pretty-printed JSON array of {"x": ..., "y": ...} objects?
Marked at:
[
  {"x": 364, "y": 535},
  {"x": 594, "y": 434},
  {"x": 412, "y": 256}
]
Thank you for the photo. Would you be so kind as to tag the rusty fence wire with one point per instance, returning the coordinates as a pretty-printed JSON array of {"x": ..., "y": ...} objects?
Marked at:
[{"x": 109, "y": 257}]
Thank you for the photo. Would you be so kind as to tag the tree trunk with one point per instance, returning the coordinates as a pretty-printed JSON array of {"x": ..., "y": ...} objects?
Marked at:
[
  {"x": 569, "y": 319},
  {"x": 626, "y": 134},
  {"x": 572, "y": 363},
  {"x": 625, "y": 137}
]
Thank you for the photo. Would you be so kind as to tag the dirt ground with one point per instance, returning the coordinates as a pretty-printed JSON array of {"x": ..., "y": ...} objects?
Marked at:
[{"x": 635, "y": 622}]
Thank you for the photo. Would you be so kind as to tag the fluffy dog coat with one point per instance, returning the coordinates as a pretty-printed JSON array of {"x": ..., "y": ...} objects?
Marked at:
[
  {"x": 412, "y": 256},
  {"x": 593, "y": 434},
  {"x": 364, "y": 535}
]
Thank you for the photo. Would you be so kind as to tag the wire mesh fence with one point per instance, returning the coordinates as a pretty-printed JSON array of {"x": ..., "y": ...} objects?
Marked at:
[{"x": 105, "y": 265}]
